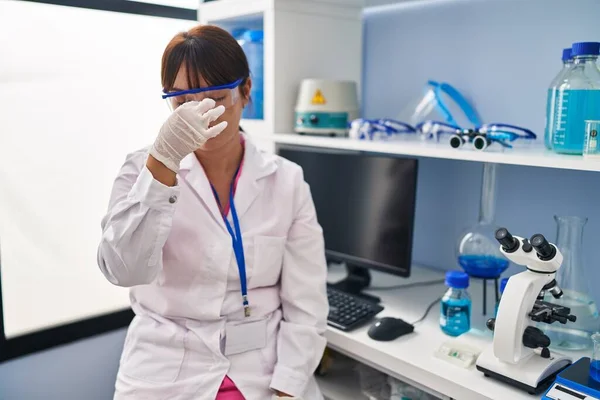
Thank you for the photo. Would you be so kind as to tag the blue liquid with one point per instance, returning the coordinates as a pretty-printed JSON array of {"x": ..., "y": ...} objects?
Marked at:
[
  {"x": 573, "y": 107},
  {"x": 455, "y": 318},
  {"x": 485, "y": 267},
  {"x": 595, "y": 370}
]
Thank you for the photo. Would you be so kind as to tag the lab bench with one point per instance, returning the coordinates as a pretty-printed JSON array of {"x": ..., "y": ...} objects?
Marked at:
[{"x": 410, "y": 358}]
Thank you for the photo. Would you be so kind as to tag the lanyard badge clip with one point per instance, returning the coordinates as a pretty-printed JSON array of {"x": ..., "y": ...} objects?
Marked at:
[{"x": 246, "y": 306}]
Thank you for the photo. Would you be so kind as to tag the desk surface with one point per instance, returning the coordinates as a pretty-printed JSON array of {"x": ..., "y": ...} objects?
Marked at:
[{"x": 410, "y": 358}]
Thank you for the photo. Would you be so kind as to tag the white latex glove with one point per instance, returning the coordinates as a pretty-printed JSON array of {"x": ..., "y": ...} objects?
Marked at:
[
  {"x": 275, "y": 397},
  {"x": 186, "y": 130}
]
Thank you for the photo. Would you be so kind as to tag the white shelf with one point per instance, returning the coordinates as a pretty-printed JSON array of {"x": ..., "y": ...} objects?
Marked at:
[
  {"x": 330, "y": 49},
  {"x": 232, "y": 10},
  {"x": 532, "y": 156}
]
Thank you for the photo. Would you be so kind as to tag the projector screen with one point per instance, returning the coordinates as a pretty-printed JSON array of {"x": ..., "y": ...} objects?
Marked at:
[{"x": 79, "y": 89}]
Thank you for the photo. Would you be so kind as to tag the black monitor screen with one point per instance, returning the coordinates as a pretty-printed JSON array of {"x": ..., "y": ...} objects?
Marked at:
[{"x": 365, "y": 204}]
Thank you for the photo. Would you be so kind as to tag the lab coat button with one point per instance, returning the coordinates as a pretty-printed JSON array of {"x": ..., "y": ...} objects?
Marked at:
[{"x": 172, "y": 199}]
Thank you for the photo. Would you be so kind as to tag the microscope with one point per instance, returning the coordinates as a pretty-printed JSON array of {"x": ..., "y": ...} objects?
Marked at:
[{"x": 519, "y": 354}]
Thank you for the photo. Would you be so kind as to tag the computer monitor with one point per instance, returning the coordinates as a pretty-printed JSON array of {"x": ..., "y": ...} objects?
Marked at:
[{"x": 365, "y": 204}]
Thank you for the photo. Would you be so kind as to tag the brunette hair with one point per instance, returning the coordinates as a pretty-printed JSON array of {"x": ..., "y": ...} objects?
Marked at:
[{"x": 207, "y": 52}]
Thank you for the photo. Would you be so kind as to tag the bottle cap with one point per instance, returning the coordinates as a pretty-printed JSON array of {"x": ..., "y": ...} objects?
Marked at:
[
  {"x": 457, "y": 279},
  {"x": 254, "y": 36},
  {"x": 503, "y": 283},
  {"x": 566, "y": 54},
  {"x": 585, "y": 49}
]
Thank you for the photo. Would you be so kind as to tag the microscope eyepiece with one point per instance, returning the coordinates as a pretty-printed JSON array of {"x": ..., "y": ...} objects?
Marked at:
[
  {"x": 508, "y": 242},
  {"x": 544, "y": 250}
]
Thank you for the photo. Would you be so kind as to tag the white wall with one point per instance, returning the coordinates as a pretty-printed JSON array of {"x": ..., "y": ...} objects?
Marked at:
[{"x": 79, "y": 89}]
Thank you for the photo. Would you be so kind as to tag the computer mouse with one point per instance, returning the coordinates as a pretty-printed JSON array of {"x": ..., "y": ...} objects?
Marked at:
[{"x": 389, "y": 328}]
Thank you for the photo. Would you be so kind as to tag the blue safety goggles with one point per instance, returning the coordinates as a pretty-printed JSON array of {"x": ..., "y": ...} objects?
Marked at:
[
  {"x": 226, "y": 95},
  {"x": 374, "y": 129}
]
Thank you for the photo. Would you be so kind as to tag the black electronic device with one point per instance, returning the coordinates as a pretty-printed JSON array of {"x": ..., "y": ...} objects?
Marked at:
[
  {"x": 365, "y": 204},
  {"x": 389, "y": 328},
  {"x": 347, "y": 312}
]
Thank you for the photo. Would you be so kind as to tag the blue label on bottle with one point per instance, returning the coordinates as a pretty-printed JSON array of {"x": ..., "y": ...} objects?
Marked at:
[{"x": 572, "y": 108}]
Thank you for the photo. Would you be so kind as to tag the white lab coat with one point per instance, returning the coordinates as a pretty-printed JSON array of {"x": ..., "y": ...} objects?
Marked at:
[{"x": 171, "y": 246}]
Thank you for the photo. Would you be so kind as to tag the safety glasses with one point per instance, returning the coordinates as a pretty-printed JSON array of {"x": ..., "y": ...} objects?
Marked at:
[
  {"x": 480, "y": 137},
  {"x": 225, "y": 95},
  {"x": 378, "y": 129}
]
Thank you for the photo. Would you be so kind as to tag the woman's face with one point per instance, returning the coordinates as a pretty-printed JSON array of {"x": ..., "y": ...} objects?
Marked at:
[{"x": 234, "y": 101}]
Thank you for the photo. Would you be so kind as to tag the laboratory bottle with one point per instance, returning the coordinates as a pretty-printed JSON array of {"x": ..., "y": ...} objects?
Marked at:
[
  {"x": 503, "y": 283},
  {"x": 252, "y": 44},
  {"x": 577, "y": 99},
  {"x": 552, "y": 94},
  {"x": 571, "y": 277},
  {"x": 455, "y": 311},
  {"x": 595, "y": 362}
]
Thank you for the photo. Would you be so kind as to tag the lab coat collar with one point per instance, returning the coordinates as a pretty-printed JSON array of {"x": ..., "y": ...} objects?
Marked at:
[{"x": 257, "y": 165}]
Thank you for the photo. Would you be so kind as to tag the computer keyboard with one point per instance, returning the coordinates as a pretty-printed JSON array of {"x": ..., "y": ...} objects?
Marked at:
[{"x": 347, "y": 311}]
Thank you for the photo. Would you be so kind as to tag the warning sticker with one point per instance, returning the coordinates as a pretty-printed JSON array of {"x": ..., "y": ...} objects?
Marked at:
[{"x": 318, "y": 98}]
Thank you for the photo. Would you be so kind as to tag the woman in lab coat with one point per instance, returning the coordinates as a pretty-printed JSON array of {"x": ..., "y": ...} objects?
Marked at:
[{"x": 219, "y": 243}]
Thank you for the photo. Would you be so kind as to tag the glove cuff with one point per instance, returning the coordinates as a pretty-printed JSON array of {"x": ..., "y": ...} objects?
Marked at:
[{"x": 168, "y": 162}]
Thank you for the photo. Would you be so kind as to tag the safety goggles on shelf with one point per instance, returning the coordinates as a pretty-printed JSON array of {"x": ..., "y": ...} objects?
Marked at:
[
  {"x": 374, "y": 129},
  {"x": 481, "y": 137},
  {"x": 506, "y": 131},
  {"x": 226, "y": 95}
]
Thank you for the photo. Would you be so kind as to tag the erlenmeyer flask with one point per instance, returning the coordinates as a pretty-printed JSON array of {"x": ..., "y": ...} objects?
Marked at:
[
  {"x": 477, "y": 250},
  {"x": 571, "y": 278}
]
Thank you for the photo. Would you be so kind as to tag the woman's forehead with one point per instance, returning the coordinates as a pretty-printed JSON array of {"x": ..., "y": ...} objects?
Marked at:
[{"x": 182, "y": 81}]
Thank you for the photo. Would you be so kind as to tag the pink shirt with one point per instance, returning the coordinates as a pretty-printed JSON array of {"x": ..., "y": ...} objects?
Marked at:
[{"x": 228, "y": 391}]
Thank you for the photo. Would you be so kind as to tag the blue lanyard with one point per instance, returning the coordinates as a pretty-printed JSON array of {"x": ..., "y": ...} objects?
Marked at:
[{"x": 238, "y": 245}]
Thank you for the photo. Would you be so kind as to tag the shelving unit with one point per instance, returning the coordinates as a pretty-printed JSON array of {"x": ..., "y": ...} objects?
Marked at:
[
  {"x": 527, "y": 156},
  {"x": 303, "y": 39}
]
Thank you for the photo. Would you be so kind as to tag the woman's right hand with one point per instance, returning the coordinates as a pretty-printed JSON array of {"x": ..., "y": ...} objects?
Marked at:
[{"x": 185, "y": 131}]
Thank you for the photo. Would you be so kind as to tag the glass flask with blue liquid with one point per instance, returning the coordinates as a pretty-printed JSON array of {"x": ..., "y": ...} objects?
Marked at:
[
  {"x": 455, "y": 311},
  {"x": 578, "y": 99},
  {"x": 477, "y": 249},
  {"x": 552, "y": 96}
]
